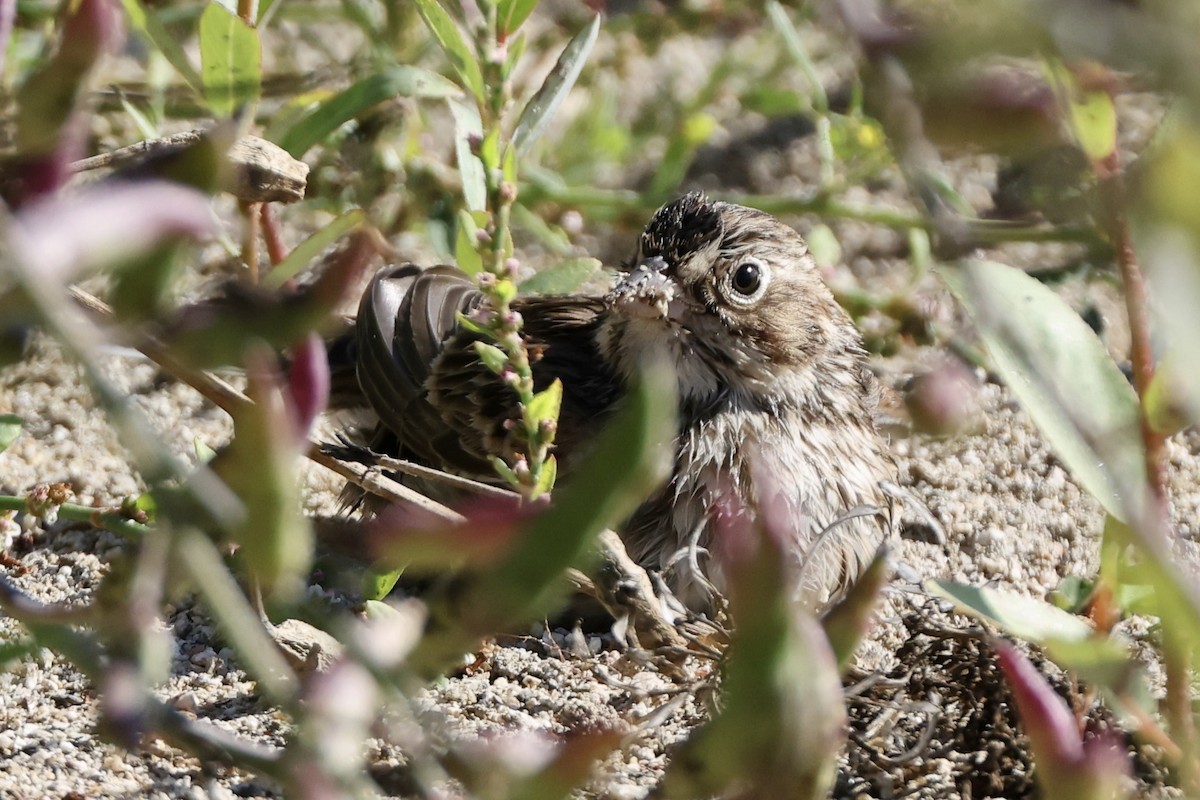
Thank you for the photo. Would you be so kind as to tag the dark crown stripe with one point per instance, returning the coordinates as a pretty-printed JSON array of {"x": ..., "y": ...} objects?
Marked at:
[{"x": 682, "y": 228}]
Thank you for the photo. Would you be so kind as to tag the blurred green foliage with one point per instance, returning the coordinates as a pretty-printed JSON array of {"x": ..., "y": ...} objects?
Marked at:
[{"x": 487, "y": 130}]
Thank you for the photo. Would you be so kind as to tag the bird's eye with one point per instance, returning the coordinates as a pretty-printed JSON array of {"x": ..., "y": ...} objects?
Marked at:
[
  {"x": 747, "y": 277},
  {"x": 748, "y": 280}
]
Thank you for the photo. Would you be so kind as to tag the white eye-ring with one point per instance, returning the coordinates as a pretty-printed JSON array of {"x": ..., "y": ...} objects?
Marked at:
[{"x": 747, "y": 281}]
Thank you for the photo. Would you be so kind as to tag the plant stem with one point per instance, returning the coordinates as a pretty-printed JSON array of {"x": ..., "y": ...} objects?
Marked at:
[
  {"x": 1137, "y": 310},
  {"x": 108, "y": 519}
]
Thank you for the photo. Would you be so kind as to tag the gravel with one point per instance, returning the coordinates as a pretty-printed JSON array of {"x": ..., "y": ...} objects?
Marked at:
[{"x": 1012, "y": 517}]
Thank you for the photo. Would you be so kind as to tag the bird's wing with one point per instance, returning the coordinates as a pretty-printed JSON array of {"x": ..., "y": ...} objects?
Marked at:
[
  {"x": 561, "y": 334},
  {"x": 419, "y": 370},
  {"x": 405, "y": 317}
]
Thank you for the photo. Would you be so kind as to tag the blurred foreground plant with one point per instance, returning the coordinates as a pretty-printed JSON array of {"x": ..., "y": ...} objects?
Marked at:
[{"x": 1027, "y": 80}]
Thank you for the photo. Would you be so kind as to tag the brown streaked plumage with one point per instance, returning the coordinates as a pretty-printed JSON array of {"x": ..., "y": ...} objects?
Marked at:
[{"x": 772, "y": 380}]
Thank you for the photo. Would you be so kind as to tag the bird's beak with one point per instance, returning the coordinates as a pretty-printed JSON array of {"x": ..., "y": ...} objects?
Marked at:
[{"x": 646, "y": 291}]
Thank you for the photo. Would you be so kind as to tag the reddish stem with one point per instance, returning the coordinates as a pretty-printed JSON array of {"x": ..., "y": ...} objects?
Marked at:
[
  {"x": 272, "y": 234},
  {"x": 1176, "y": 657}
]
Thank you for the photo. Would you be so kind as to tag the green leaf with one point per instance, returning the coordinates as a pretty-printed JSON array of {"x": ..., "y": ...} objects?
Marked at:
[
  {"x": 230, "y": 61},
  {"x": 672, "y": 169},
  {"x": 1164, "y": 400},
  {"x": 773, "y": 101},
  {"x": 1026, "y": 618},
  {"x": 378, "y": 582},
  {"x": 504, "y": 471},
  {"x": 1063, "y": 376},
  {"x": 1092, "y": 113},
  {"x": 448, "y": 36},
  {"x": 16, "y": 650},
  {"x": 824, "y": 245},
  {"x": 489, "y": 149},
  {"x": 466, "y": 254},
  {"x": 597, "y": 497},
  {"x": 516, "y": 49},
  {"x": 1107, "y": 664},
  {"x": 308, "y": 250},
  {"x": 505, "y": 290},
  {"x": 544, "y": 405},
  {"x": 492, "y": 357},
  {"x": 204, "y": 453},
  {"x": 1174, "y": 597},
  {"x": 471, "y": 325},
  {"x": 546, "y": 478},
  {"x": 146, "y": 22},
  {"x": 536, "y": 115},
  {"x": 513, "y": 13},
  {"x": 474, "y": 182},
  {"x": 1072, "y": 593},
  {"x": 10, "y": 429},
  {"x": 402, "y": 81},
  {"x": 145, "y": 128},
  {"x": 562, "y": 278}
]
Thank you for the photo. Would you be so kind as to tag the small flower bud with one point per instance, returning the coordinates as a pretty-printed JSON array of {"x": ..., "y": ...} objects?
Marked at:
[
  {"x": 521, "y": 470},
  {"x": 510, "y": 377},
  {"x": 512, "y": 268},
  {"x": 481, "y": 316},
  {"x": 571, "y": 222},
  {"x": 475, "y": 141},
  {"x": 510, "y": 424},
  {"x": 546, "y": 429},
  {"x": 508, "y": 192},
  {"x": 512, "y": 319},
  {"x": 482, "y": 236},
  {"x": 486, "y": 280}
]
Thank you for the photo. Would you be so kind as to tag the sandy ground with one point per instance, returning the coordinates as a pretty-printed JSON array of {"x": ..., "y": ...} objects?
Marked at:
[{"x": 1012, "y": 516}]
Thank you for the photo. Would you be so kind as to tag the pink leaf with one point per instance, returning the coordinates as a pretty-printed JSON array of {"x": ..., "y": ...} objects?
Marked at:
[
  {"x": 64, "y": 237},
  {"x": 308, "y": 382}
]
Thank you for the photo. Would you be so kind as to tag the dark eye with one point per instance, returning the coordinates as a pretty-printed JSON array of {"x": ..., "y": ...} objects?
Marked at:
[{"x": 747, "y": 278}]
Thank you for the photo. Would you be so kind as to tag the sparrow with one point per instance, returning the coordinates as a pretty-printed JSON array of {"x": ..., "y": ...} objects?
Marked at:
[{"x": 776, "y": 400}]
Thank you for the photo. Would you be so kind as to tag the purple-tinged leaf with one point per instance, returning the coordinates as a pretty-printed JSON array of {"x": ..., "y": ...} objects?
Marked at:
[
  {"x": 1068, "y": 767},
  {"x": 849, "y": 620},
  {"x": 308, "y": 383},
  {"x": 106, "y": 223},
  {"x": 530, "y": 765},
  {"x": 50, "y": 134},
  {"x": 341, "y": 705},
  {"x": 123, "y": 705},
  {"x": 275, "y": 540},
  {"x": 783, "y": 716},
  {"x": 217, "y": 331},
  {"x": 412, "y": 538}
]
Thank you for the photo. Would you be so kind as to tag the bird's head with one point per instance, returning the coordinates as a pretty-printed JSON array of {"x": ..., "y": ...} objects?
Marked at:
[{"x": 730, "y": 296}]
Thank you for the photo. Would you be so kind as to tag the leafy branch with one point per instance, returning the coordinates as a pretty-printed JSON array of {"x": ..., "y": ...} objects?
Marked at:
[{"x": 489, "y": 146}]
